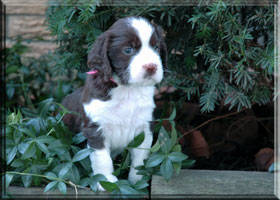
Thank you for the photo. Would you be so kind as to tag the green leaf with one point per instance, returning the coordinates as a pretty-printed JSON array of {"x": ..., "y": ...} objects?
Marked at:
[
  {"x": 173, "y": 133},
  {"x": 177, "y": 167},
  {"x": 22, "y": 147},
  {"x": 64, "y": 171},
  {"x": 128, "y": 190},
  {"x": 86, "y": 164},
  {"x": 29, "y": 113},
  {"x": 173, "y": 114},
  {"x": 155, "y": 147},
  {"x": 59, "y": 147},
  {"x": 50, "y": 186},
  {"x": 126, "y": 161},
  {"x": 62, "y": 187},
  {"x": 74, "y": 175},
  {"x": 177, "y": 148},
  {"x": 108, "y": 186},
  {"x": 17, "y": 163},
  {"x": 10, "y": 92},
  {"x": 44, "y": 107},
  {"x": 11, "y": 69},
  {"x": 42, "y": 146},
  {"x": 137, "y": 141},
  {"x": 187, "y": 163},
  {"x": 94, "y": 180},
  {"x": 78, "y": 138},
  {"x": 11, "y": 155},
  {"x": 82, "y": 154},
  {"x": 166, "y": 169},
  {"x": 29, "y": 132},
  {"x": 26, "y": 179},
  {"x": 85, "y": 182},
  {"x": 29, "y": 152},
  {"x": 51, "y": 176},
  {"x": 177, "y": 156},
  {"x": 46, "y": 139},
  {"x": 155, "y": 159},
  {"x": 141, "y": 184},
  {"x": 164, "y": 140},
  {"x": 8, "y": 179}
]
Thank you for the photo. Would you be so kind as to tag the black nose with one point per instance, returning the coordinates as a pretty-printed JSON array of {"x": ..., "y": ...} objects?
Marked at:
[{"x": 150, "y": 68}]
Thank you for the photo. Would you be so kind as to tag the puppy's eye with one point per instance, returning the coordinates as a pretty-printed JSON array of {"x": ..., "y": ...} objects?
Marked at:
[
  {"x": 156, "y": 47},
  {"x": 128, "y": 51}
]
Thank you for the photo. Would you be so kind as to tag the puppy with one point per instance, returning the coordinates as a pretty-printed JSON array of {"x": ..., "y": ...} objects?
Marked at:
[{"x": 116, "y": 103}]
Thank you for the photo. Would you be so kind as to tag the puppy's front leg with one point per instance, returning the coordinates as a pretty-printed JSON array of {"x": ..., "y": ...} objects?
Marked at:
[
  {"x": 101, "y": 162},
  {"x": 138, "y": 155}
]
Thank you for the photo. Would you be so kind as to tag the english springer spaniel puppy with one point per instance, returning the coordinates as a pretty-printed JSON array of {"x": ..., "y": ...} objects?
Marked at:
[{"x": 116, "y": 103}]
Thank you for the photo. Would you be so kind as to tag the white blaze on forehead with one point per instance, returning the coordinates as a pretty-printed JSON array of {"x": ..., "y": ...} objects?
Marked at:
[
  {"x": 145, "y": 55},
  {"x": 144, "y": 29}
]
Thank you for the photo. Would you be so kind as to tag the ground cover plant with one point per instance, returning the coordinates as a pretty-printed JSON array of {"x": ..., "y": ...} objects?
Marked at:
[{"x": 221, "y": 58}]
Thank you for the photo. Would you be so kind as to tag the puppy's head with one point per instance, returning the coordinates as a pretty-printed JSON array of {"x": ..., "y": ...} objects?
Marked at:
[{"x": 132, "y": 51}]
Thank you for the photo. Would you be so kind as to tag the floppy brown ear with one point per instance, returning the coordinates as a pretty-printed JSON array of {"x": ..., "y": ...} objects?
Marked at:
[
  {"x": 97, "y": 57},
  {"x": 162, "y": 46}
]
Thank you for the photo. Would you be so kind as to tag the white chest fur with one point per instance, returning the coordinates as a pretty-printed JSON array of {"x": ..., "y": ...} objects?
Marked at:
[{"x": 124, "y": 116}]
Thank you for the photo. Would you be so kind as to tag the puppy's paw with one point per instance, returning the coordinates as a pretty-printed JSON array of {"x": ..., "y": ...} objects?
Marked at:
[
  {"x": 111, "y": 178},
  {"x": 133, "y": 177}
]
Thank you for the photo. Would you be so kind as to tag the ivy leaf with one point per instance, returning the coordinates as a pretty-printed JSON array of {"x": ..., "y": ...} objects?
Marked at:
[
  {"x": 94, "y": 180},
  {"x": 78, "y": 138},
  {"x": 187, "y": 163},
  {"x": 29, "y": 152},
  {"x": 177, "y": 167},
  {"x": 42, "y": 146},
  {"x": 84, "y": 182},
  {"x": 155, "y": 147},
  {"x": 82, "y": 154},
  {"x": 8, "y": 179},
  {"x": 11, "y": 155},
  {"x": 17, "y": 163},
  {"x": 166, "y": 169},
  {"x": 173, "y": 114},
  {"x": 108, "y": 186},
  {"x": 26, "y": 180},
  {"x": 177, "y": 148},
  {"x": 128, "y": 190},
  {"x": 74, "y": 174},
  {"x": 29, "y": 132},
  {"x": 173, "y": 133},
  {"x": 45, "y": 139},
  {"x": 137, "y": 140},
  {"x": 50, "y": 186},
  {"x": 10, "y": 92},
  {"x": 51, "y": 176},
  {"x": 22, "y": 147},
  {"x": 155, "y": 159},
  {"x": 62, "y": 187},
  {"x": 164, "y": 140},
  {"x": 177, "y": 156},
  {"x": 44, "y": 107},
  {"x": 141, "y": 184},
  {"x": 64, "y": 171}
]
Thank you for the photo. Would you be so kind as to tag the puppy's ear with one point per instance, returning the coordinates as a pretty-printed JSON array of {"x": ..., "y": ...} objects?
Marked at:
[
  {"x": 97, "y": 57},
  {"x": 162, "y": 45}
]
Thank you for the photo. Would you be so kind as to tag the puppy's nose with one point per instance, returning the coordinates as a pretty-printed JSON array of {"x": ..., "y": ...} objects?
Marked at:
[{"x": 150, "y": 68}]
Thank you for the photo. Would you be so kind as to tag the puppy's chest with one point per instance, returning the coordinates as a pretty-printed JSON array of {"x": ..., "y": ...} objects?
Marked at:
[{"x": 122, "y": 117}]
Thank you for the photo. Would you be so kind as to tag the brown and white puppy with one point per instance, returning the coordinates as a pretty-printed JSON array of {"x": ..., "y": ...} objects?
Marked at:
[{"x": 116, "y": 103}]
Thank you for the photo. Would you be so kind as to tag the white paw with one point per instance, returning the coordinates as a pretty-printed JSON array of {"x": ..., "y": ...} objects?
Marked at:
[
  {"x": 100, "y": 188},
  {"x": 111, "y": 178},
  {"x": 133, "y": 177}
]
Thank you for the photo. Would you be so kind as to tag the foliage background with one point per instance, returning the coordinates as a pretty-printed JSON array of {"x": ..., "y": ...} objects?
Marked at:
[{"x": 220, "y": 55}]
